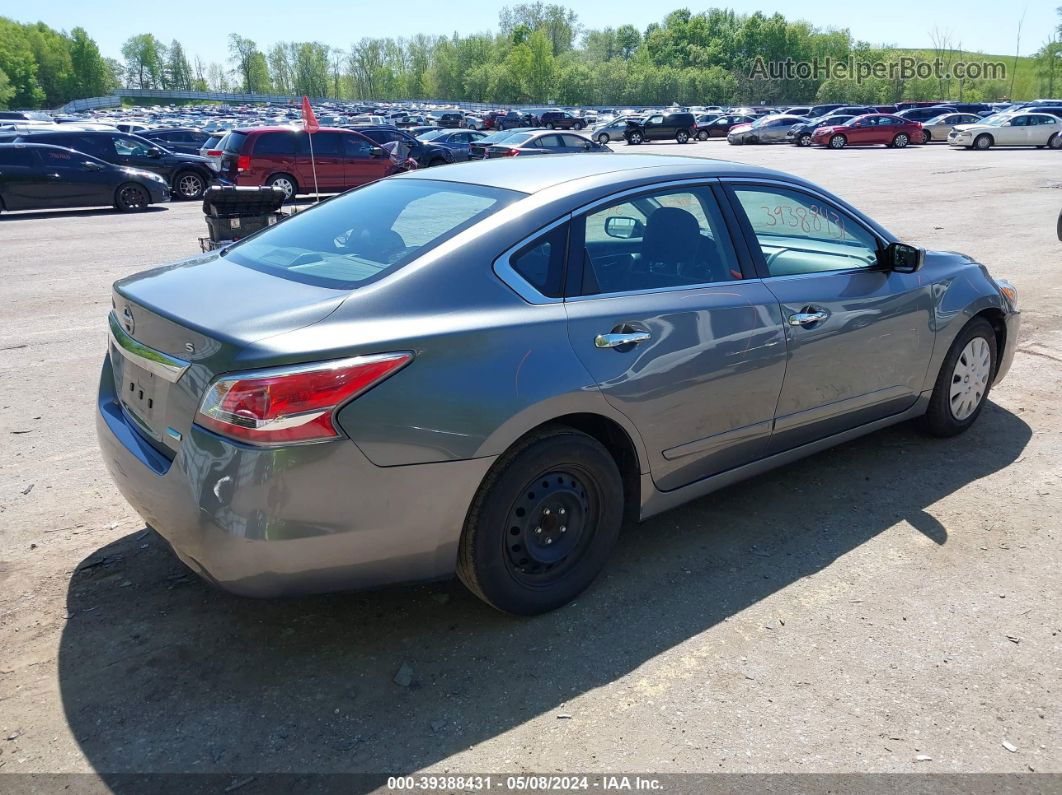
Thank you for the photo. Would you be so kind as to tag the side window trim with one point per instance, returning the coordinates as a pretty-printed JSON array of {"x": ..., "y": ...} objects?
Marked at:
[
  {"x": 576, "y": 237},
  {"x": 504, "y": 270},
  {"x": 749, "y": 234}
]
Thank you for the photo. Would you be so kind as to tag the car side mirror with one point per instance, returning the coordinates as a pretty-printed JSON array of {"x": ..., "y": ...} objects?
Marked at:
[
  {"x": 623, "y": 227},
  {"x": 378, "y": 152},
  {"x": 155, "y": 152},
  {"x": 903, "y": 258}
]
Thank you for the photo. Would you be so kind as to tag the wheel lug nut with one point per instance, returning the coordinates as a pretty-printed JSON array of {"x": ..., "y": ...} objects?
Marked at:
[
  {"x": 549, "y": 540},
  {"x": 538, "y": 531},
  {"x": 562, "y": 512},
  {"x": 546, "y": 512},
  {"x": 563, "y": 529}
]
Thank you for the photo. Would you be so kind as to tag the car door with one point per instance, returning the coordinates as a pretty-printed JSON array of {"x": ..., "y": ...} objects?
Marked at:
[
  {"x": 1040, "y": 129},
  {"x": 71, "y": 179},
  {"x": 859, "y": 336},
  {"x": 863, "y": 132},
  {"x": 652, "y": 129},
  {"x": 676, "y": 339},
  {"x": 135, "y": 152},
  {"x": 22, "y": 179},
  {"x": 1014, "y": 132},
  {"x": 326, "y": 147},
  {"x": 363, "y": 161}
]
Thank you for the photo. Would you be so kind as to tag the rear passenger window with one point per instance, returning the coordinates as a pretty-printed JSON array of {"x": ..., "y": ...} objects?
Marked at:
[
  {"x": 541, "y": 262},
  {"x": 274, "y": 144},
  {"x": 797, "y": 233},
  {"x": 327, "y": 143}
]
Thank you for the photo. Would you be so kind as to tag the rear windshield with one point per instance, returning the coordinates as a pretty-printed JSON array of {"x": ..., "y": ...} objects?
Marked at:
[
  {"x": 363, "y": 235},
  {"x": 233, "y": 142},
  {"x": 519, "y": 138}
]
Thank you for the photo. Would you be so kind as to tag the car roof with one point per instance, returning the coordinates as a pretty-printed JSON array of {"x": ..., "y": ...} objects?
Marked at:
[
  {"x": 534, "y": 174},
  {"x": 249, "y": 130}
]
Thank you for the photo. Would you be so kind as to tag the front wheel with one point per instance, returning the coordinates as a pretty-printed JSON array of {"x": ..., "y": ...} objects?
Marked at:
[
  {"x": 838, "y": 142},
  {"x": 577, "y": 126},
  {"x": 804, "y": 140},
  {"x": 131, "y": 198},
  {"x": 983, "y": 142},
  {"x": 900, "y": 141},
  {"x": 682, "y": 136},
  {"x": 702, "y": 135},
  {"x": 634, "y": 138},
  {"x": 964, "y": 380},
  {"x": 543, "y": 522},
  {"x": 550, "y": 126}
]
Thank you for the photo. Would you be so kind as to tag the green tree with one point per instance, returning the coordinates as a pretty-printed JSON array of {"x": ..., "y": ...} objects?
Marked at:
[
  {"x": 90, "y": 75},
  {"x": 143, "y": 61}
]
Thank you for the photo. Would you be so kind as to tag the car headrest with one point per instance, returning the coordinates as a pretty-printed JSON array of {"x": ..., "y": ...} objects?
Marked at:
[{"x": 672, "y": 235}]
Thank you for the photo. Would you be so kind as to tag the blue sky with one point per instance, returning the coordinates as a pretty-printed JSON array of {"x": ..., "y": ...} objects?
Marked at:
[{"x": 985, "y": 25}]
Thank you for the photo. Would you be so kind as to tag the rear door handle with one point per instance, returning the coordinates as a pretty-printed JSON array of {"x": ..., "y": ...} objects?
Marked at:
[
  {"x": 808, "y": 318},
  {"x": 615, "y": 340},
  {"x": 52, "y": 175}
]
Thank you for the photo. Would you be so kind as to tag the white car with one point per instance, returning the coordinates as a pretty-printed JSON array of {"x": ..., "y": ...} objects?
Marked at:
[{"x": 1012, "y": 129}]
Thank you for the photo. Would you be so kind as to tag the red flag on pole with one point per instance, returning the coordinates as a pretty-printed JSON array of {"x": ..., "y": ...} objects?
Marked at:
[{"x": 308, "y": 118}]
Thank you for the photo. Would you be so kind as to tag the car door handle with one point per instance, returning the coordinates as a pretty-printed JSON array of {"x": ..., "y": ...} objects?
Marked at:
[
  {"x": 808, "y": 318},
  {"x": 52, "y": 175},
  {"x": 615, "y": 340}
]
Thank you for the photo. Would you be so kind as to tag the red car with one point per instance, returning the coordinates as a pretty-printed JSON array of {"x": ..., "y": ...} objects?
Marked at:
[
  {"x": 869, "y": 130},
  {"x": 280, "y": 156}
]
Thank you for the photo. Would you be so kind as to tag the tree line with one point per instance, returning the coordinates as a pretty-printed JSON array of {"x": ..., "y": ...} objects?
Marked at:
[{"x": 539, "y": 53}]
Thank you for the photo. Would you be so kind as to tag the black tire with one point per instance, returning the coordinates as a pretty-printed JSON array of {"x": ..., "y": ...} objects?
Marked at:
[
  {"x": 900, "y": 141},
  {"x": 702, "y": 135},
  {"x": 555, "y": 486},
  {"x": 752, "y": 139},
  {"x": 634, "y": 138},
  {"x": 131, "y": 198},
  {"x": 577, "y": 126},
  {"x": 603, "y": 138},
  {"x": 838, "y": 142},
  {"x": 437, "y": 161},
  {"x": 550, "y": 126},
  {"x": 940, "y": 419},
  {"x": 927, "y": 136},
  {"x": 1055, "y": 141},
  {"x": 983, "y": 142},
  {"x": 804, "y": 139},
  {"x": 189, "y": 185},
  {"x": 682, "y": 137},
  {"x": 283, "y": 181}
]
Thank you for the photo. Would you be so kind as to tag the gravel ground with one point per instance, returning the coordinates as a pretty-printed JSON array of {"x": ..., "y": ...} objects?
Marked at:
[{"x": 892, "y": 605}]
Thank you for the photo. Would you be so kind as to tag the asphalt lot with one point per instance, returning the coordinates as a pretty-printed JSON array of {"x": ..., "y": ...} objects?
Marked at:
[{"x": 892, "y": 599}]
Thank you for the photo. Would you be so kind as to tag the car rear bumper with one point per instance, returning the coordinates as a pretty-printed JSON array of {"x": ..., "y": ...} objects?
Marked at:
[{"x": 270, "y": 522}]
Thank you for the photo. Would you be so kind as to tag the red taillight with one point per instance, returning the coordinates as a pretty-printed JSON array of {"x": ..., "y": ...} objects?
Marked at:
[
  {"x": 243, "y": 162},
  {"x": 214, "y": 153},
  {"x": 512, "y": 153},
  {"x": 291, "y": 404}
]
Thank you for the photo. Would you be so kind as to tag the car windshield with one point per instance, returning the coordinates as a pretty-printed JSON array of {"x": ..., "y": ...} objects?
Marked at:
[
  {"x": 996, "y": 121},
  {"x": 433, "y": 134},
  {"x": 363, "y": 235}
]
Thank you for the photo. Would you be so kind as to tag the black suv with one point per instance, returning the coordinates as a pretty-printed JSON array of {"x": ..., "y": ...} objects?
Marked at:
[
  {"x": 188, "y": 175},
  {"x": 561, "y": 120},
  {"x": 185, "y": 140},
  {"x": 661, "y": 127},
  {"x": 425, "y": 153}
]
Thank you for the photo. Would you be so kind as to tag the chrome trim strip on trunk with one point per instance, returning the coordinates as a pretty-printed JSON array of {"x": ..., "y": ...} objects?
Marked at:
[{"x": 168, "y": 368}]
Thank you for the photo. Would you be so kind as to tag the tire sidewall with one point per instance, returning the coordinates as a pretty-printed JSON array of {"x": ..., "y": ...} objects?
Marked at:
[
  {"x": 122, "y": 206},
  {"x": 983, "y": 137},
  {"x": 938, "y": 419},
  {"x": 177, "y": 181},
  {"x": 486, "y": 533},
  {"x": 838, "y": 142},
  {"x": 294, "y": 185},
  {"x": 901, "y": 141}
]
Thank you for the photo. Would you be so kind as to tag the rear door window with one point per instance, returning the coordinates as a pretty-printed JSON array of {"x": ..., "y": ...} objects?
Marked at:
[{"x": 275, "y": 143}]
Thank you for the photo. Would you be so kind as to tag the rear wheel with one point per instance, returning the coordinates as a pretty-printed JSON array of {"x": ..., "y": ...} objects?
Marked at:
[
  {"x": 1055, "y": 141},
  {"x": 983, "y": 142},
  {"x": 964, "y": 380},
  {"x": 926, "y": 136},
  {"x": 682, "y": 136},
  {"x": 543, "y": 522},
  {"x": 438, "y": 161},
  {"x": 577, "y": 126},
  {"x": 131, "y": 198},
  {"x": 550, "y": 126},
  {"x": 838, "y": 142},
  {"x": 702, "y": 135},
  {"x": 900, "y": 141},
  {"x": 286, "y": 183},
  {"x": 189, "y": 185}
]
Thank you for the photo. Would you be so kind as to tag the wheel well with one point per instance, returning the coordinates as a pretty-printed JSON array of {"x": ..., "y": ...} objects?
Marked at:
[
  {"x": 619, "y": 445},
  {"x": 995, "y": 318}
]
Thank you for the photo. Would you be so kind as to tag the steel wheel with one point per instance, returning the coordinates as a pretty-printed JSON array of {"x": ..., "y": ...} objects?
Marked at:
[
  {"x": 969, "y": 379},
  {"x": 983, "y": 142},
  {"x": 549, "y": 524},
  {"x": 190, "y": 185},
  {"x": 132, "y": 198}
]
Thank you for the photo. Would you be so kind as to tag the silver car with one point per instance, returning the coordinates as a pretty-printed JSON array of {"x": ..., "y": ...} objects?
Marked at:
[
  {"x": 485, "y": 368},
  {"x": 767, "y": 130},
  {"x": 938, "y": 128}
]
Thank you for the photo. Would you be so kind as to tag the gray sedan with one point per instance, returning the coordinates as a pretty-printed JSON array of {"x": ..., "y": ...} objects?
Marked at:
[
  {"x": 768, "y": 130},
  {"x": 937, "y": 128},
  {"x": 484, "y": 369}
]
